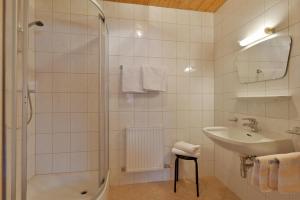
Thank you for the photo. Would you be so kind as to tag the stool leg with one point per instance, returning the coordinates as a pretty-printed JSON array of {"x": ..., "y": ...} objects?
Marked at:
[
  {"x": 177, "y": 170},
  {"x": 197, "y": 178},
  {"x": 175, "y": 176}
]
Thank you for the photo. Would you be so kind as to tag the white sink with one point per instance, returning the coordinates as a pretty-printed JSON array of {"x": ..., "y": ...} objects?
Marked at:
[{"x": 248, "y": 143}]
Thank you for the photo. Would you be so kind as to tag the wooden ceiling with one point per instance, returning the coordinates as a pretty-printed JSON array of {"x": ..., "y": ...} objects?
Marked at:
[{"x": 199, "y": 5}]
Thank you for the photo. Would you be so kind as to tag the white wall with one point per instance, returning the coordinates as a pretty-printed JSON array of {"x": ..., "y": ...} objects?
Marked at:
[
  {"x": 234, "y": 21},
  {"x": 176, "y": 39}
]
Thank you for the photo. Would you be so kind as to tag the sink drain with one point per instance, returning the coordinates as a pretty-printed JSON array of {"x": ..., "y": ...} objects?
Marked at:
[{"x": 83, "y": 192}]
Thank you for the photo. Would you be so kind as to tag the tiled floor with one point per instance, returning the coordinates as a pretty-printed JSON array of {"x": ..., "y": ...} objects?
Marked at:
[
  {"x": 211, "y": 189},
  {"x": 63, "y": 186}
]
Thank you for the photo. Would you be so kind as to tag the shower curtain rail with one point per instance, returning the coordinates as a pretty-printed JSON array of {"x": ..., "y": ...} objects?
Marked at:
[{"x": 101, "y": 13}]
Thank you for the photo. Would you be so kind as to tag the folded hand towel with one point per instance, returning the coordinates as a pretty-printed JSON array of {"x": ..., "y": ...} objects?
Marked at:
[
  {"x": 154, "y": 78},
  {"x": 289, "y": 172},
  {"x": 187, "y": 147},
  {"x": 264, "y": 172},
  {"x": 183, "y": 153},
  {"x": 132, "y": 80}
]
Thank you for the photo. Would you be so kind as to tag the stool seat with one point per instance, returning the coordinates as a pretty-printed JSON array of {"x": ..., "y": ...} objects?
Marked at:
[{"x": 183, "y": 153}]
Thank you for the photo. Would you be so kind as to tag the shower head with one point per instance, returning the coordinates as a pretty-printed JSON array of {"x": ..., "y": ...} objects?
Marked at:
[{"x": 36, "y": 23}]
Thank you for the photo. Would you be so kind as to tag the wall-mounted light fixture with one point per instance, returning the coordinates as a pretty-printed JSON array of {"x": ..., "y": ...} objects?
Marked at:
[{"x": 256, "y": 36}]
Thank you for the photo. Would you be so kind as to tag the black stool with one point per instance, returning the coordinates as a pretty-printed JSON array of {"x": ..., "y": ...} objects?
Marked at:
[{"x": 195, "y": 159}]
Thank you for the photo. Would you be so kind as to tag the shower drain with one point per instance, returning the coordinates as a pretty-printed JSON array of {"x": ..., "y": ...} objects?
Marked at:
[{"x": 83, "y": 192}]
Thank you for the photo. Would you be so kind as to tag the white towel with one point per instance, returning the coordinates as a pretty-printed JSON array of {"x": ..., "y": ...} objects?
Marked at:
[
  {"x": 264, "y": 172},
  {"x": 273, "y": 177},
  {"x": 183, "y": 153},
  {"x": 289, "y": 172},
  {"x": 132, "y": 80},
  {"x": 154, "y": 78},
  {"x": 187, "y": 147},
  {"x": 255, "y": 174}
]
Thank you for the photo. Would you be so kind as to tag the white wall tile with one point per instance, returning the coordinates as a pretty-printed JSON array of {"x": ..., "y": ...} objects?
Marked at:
[
  {"x": 61, "y": 122},
  {"x": 62, "y": 6},
  {"x": 183, "y": 17},
  {"x": 60, "y": 62},
  {"x": 155, "y": 30},
  {"x": 61, "y": 143},
  {"x": 78, "y": 161},
  {"x": 155, "y": 48},
  {"x": 44, "y": 123},
  {"x": 61, "y": 22},
  {"x": 43, "y": 41},
  {"x": 61, "y": 162},
  {"x": 155, "y": 13},
  {"x": 78, "y": 142},
  {"x": 126, "y": 11},
  {"x": 44, "y": 143},
  {"x": 140, "y": 12},
  {"x": 43, "y": 5},
  {"x": 78, "y": 122},
  {"x": 43, "y": 62},
  {"x": 43, "y": 82},
  {"x": 44, "y": 163},
  {"x": 78, "y": 6},
  {"x": 61, "y": 102},
  {"x": 43, "y": 102},
  {"x": 78, "y": 102},
  {"x": 61, "y": 42}
]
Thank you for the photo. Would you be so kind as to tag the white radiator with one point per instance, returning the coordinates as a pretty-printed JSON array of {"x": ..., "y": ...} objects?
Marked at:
[{"x": 144, "y": 149}]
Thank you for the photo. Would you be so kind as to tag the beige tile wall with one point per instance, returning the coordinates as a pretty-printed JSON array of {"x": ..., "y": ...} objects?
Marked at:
[
  {"x": 234, "y": 21},
  {"x": 66, "y": 71},
  {"x": 177, "y": 39}
]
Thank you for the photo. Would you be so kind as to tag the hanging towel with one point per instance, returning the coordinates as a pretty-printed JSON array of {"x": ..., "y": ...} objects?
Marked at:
[
  {"x": 183, "y": 153},
  {"x": 289, "y": 172},
  {"x": 264, "y": 172},
  {"x": 273, "y": 177},
  {"x": 132, "y": 80},
  {"x": 187, "y": 147},
  {"x": 255, "y": 173},
  {"x": 154, "y": 78}
]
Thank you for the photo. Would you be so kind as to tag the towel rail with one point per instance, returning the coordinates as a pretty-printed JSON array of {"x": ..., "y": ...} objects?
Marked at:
[
  {"x": 294, "y": 131},
  {"x": 273, "y": 161}
]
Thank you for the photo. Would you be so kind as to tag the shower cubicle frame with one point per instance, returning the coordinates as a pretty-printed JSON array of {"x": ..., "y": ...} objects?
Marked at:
[{"x": 15, "y": 34}]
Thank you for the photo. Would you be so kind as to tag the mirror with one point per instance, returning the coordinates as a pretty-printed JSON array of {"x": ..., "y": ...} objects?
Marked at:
[{"x": 266, "y": 60}]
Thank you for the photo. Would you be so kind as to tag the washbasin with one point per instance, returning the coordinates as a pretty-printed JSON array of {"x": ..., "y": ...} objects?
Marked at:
[{"x": 248, "y": 143}]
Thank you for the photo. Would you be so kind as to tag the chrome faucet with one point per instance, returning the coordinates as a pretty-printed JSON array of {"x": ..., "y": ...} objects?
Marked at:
[{"x": 252, "y": 124}]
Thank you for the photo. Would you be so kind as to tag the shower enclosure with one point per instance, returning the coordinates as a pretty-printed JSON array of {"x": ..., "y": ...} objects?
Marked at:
[{"x": 55, "y": 100}]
